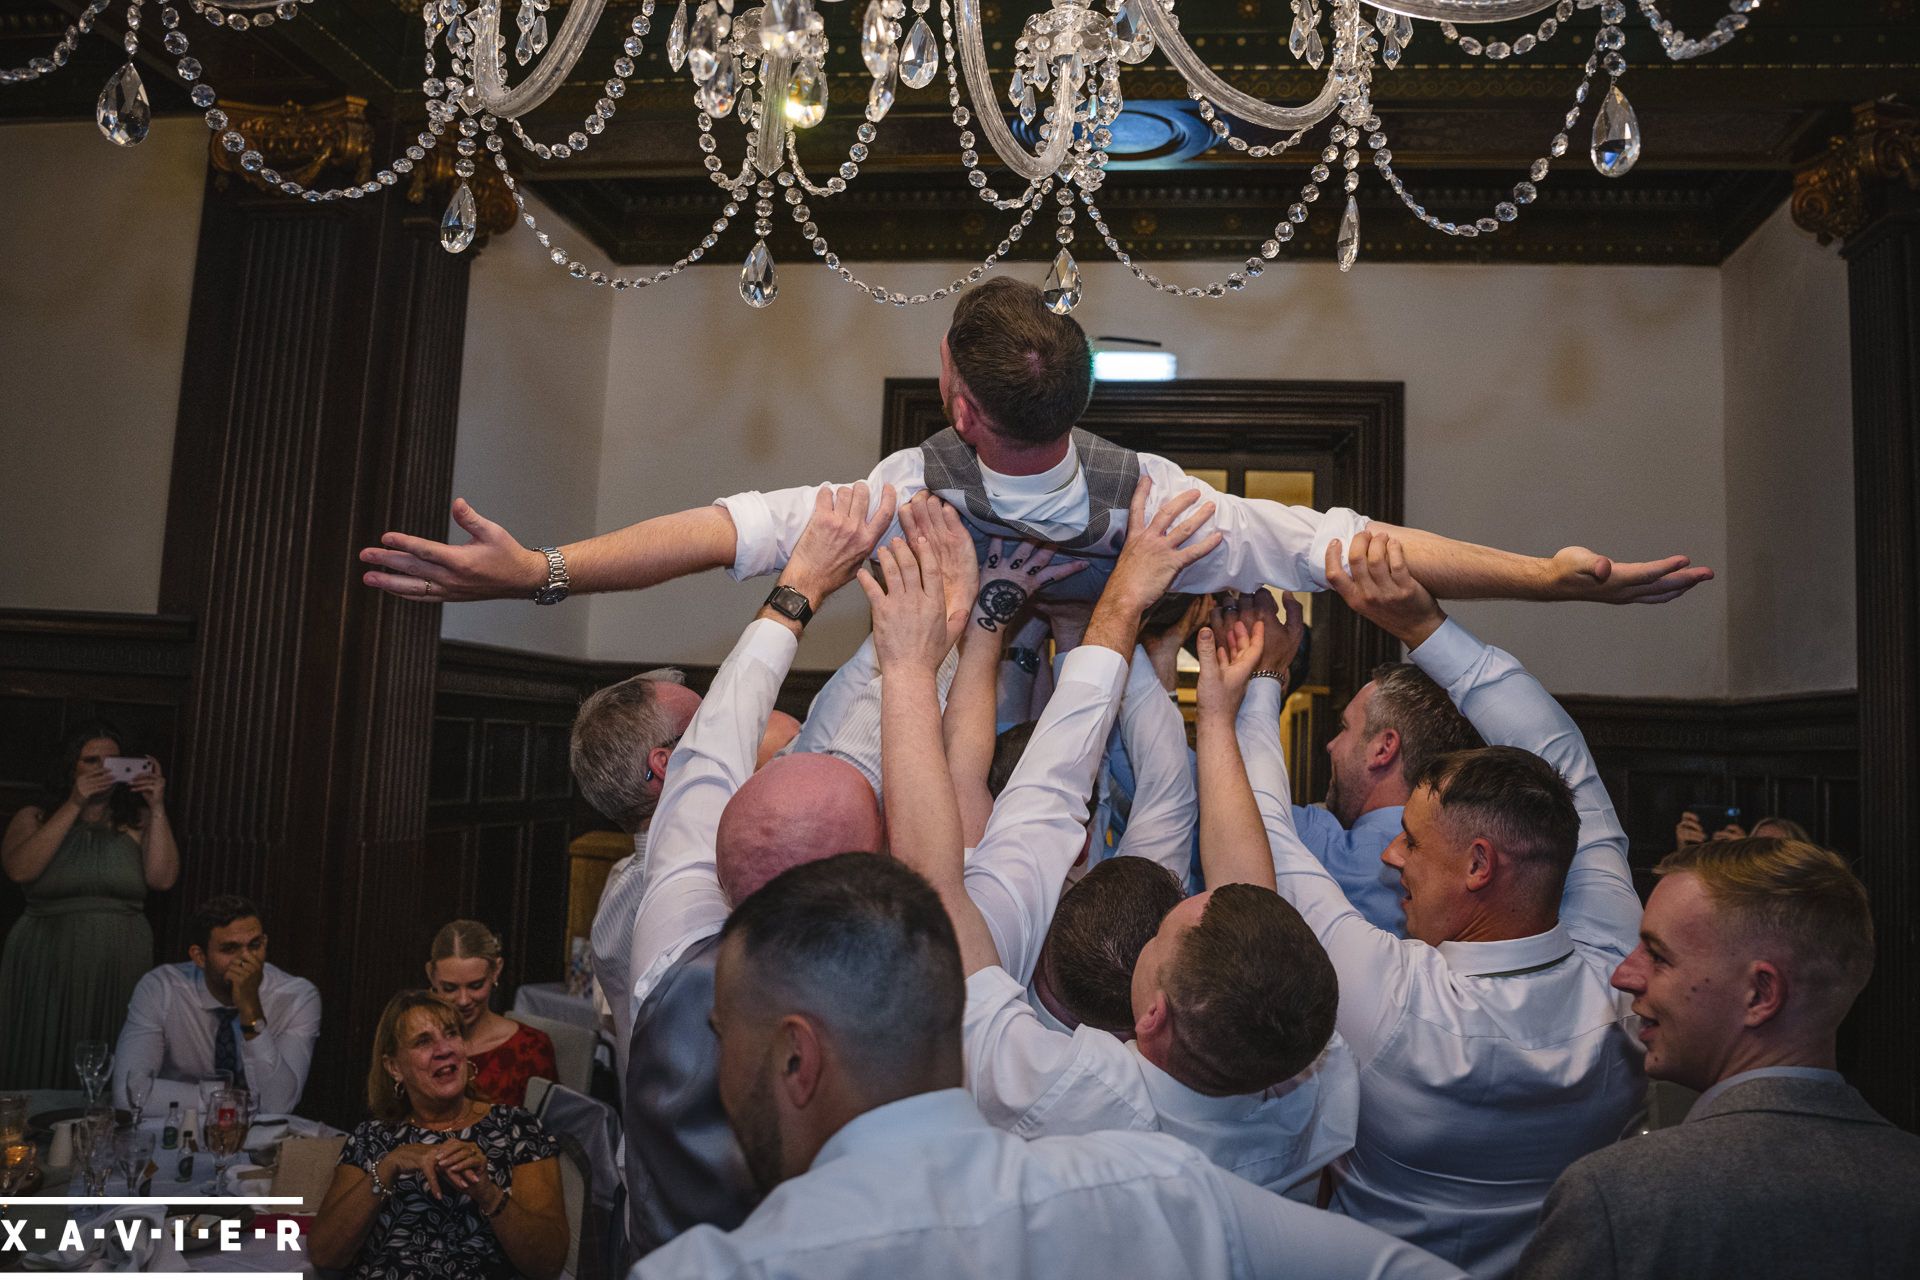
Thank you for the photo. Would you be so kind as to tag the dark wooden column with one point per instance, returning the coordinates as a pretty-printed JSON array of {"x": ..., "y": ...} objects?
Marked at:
[
  {"x": 318, "y": 409},
  {"x": 1864, "y": 193}
]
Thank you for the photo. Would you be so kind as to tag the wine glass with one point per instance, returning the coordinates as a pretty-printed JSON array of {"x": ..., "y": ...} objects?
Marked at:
[
  {"x": 139, "y": 1089},
  {"x": 210, "y": 1084},
  {"x": 132, "y": 1150},
  {"x": 93, "y": 1062},
  {"x": 94, "y": 1137},
  {"x": 222, "y": 1131}
]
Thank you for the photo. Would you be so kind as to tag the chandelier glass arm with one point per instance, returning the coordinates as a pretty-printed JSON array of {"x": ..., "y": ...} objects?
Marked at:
[
  {"x": 490, "y": 87},
  {"x": 1194, "y": 70},
  {"x": 1462, "y": 12},
  {"x": 973, "y": 61}
]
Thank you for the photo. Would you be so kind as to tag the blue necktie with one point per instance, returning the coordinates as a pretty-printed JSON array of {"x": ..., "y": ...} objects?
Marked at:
[{"x": 226, "y": 1048}]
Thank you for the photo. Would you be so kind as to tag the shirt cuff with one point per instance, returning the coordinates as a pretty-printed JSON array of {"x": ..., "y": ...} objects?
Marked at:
[
  {"x": 989, "y": 989},
  {"x": 768, "y": 643},
  {"x": 1335, "y": 522},
  {"x": 1448, "y": 654},
  {"x": 1262, "y": 703},
  {"x": 1095, "y": 664},
  {"x": 756, "y": 547}
]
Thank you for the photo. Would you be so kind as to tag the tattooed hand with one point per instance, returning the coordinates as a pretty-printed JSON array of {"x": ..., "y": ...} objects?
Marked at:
[{"x": 1011, "y": 576}]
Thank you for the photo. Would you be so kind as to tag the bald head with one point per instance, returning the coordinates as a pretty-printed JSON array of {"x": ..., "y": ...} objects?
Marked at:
[{"x": 799, "y": 808}]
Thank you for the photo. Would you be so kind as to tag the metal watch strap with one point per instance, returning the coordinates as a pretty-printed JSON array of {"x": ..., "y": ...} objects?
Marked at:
[
  {"x": 558, "y": 581},
  {"x": 1281, "y": 676}
]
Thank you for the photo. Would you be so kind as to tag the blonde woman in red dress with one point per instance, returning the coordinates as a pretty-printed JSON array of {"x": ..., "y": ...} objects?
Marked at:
[{"x": 462, "y": 967}]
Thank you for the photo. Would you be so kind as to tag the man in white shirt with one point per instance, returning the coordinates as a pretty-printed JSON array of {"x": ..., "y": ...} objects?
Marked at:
[
  {"x": 1014, "y": 378},
  {"x": 1751, "y": 953},
  {"x": 719, "y": 831},
  {"x": 838, "y": 1008},
  {"x": 1492, "y": 1052},
  {"x": 1233, "y": 1000},
  {"x": 622, "y": 738},
  {"x": 224, "y": 1009},
  {"x": 1398, "y": 721}
]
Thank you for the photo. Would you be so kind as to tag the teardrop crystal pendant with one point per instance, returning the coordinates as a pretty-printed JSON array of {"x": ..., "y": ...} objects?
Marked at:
[
  {"x": 677, "y": 38},
  {"x": 523, "y": 47},
  {"x": 1061, "y": 292},
  {"x": 462, "y": 221},
  {"x": 879, "y": 98},
  {"x": 703, "y": 42},
  {"x": 876, "y": 41},
  {"x": 806, "y": 96},
  {"x": 1126, "y": 23},
  {"x": 919, "y": 56},
  {"x": 1029, "y": 108},
  {"x": 540, "y": 33},
  {"x": 123, "y": 112},
  {"x": 718, "y": 93},
  {"x": 758, "y": 284},
  {"x": 1297, "y": 38},
  {"x": 1616, "y": 135},
  {"x": 1316, "y": 49},
  {"x": 783, "y": 25},
  {"x": 1346, "y": 245}
]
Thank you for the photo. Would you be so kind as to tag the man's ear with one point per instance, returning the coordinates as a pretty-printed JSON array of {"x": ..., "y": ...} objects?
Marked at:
[
  {"x": 657, "y": 767},
  {"x": 1766, "y": 993},
  {"x": 802, "y": 1060},
  {"x": 1384, "y": 750},
  {"x": 1155, "y": 1026},
  {"x": 1480, "y": 864},
  {"x": 199, "y": 957}
]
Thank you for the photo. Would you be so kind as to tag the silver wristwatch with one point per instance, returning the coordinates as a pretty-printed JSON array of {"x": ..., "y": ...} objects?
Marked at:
[{"x": 558, "y": 583}]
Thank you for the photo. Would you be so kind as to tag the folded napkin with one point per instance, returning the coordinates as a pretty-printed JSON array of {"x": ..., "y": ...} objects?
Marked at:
[{"x": 129, "y": 1245}]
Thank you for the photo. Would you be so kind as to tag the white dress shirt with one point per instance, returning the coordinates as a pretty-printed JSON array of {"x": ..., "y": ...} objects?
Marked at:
[
  {"x": 1265, "y": 543},
  {"x": 843, "y": 721},
  {"x": 1486, "y": 1068},
  {"x": 1164, "y": 805},
  {"x": 683, "y": 902},
  {"x": 1031, "y": 1078},
  {"x": 610, "y": 943},
  {"x": 924, "y": 1187},
  {"x": 173, "y": 1019},
  {"x": 1352, "y": 856}
]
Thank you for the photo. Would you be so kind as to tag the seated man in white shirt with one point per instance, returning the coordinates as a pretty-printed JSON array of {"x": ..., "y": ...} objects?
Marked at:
[
  {"x": 719, "y": 831},
  {"x": 622, "y": 738},
  {"x": 224, "y": 1009},
  {"x": 1014, "y": 378},
  {"x": 1398, "y": 721},
  {"x": 837, "y": 1007},
  {"x": 1232, "y": 999},
  {"x": 1492, "y": 1051}
]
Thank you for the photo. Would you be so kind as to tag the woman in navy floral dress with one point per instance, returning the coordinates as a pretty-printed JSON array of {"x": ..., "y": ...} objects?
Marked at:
[{"x": 439, "y": 1185}]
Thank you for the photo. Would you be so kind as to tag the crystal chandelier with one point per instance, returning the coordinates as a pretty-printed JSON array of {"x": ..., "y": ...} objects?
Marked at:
[{"x": 764, "y": 68}]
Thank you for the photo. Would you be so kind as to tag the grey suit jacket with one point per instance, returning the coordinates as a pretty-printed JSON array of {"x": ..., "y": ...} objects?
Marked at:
[{"x": 1774, "y": 1178}]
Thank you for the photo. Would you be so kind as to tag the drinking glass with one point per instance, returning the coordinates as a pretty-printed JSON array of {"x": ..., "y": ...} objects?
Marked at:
[
  {"x": 139, "y": 1089},
  {"x": 93, "y": 1062},
  {"x": 210, "y": 1084},
  {"x": 16, "y": 1153},
  {"x": 93, "y": 1136},
  {"x": 222, "y": 1130},
  {"x": 132, "y": 1151}
]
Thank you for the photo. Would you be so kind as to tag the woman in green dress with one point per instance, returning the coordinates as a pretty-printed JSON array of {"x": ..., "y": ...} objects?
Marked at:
[{"x": 85, "y": 856}]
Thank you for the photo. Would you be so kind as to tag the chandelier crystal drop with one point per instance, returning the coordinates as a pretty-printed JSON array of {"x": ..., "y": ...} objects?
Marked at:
[
  {"x": 1034, "y": 132},
  {"x": 123, "y": 112}
]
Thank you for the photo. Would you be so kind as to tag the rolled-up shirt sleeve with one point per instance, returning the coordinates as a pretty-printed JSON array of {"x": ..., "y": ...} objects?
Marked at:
[
  {"x": 1165, "y": 805},
  {"x": 1265, "y": 544},
  {"x": 767, "y": 525},
  {"x": 277, "y": 1059}
]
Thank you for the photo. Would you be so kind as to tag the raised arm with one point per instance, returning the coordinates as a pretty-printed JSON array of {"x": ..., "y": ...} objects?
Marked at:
[
  {"x": 1165, "y": 803},
  {"x": 1233, "y": 847},
  {"x": 1510, "y": 708},
  {"x": 1270, "y": 542}
]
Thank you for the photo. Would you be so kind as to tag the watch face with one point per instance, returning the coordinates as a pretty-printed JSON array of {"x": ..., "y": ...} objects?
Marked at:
[{"x": 550, "y": 595}]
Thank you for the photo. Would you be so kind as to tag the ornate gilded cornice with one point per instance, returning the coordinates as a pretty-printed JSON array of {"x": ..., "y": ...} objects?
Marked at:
[
  {"x": 328, "y": 144},
  {"x": 1836, "y": 195}
]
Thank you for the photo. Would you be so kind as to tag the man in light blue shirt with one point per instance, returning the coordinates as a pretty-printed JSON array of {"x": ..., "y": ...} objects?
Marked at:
[{"x": 1398, "y": 721}]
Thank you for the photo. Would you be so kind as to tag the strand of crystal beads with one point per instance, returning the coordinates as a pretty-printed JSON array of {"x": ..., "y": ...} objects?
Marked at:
[
  {"x": 1525, "y": 192},
  {"x": 595, "y": 121},
  {"x": 1236, "y": 281},
  {"x": 56, "y": 57},
  {"x": 880, "y": 293},
  {"x": 1499, "y": 50},
  {"x": 849, "y": 169},
  {"x": 1680, "y": 46},
  {"x": 285, "y": 11},
  {"x": 1223, "y": 129},
  {"x": 962, "y": 117},
  {"x": 579, "y": 270}
]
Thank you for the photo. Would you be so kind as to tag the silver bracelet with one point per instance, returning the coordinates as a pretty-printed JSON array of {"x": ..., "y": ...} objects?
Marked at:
[{"x": 380, "y": 1189}]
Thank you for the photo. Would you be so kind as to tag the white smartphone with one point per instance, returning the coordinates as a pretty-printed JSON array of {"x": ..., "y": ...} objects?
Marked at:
[{"x": 124, "y": 768}]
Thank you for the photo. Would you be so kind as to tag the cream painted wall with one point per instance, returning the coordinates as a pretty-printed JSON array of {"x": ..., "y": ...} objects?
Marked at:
[
  {"x": 1790, "y": 537},
  {"x": 97, "y": 247},
  {"x": 533, "y": 384},
  {"x": 1544, "y": 405}
]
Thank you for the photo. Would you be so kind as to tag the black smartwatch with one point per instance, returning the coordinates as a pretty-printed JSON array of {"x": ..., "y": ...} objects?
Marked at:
[{"x": 787, "y": 602}]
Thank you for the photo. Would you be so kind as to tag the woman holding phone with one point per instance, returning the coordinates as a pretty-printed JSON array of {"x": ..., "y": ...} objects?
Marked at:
[{"x": 85, "y": 855}]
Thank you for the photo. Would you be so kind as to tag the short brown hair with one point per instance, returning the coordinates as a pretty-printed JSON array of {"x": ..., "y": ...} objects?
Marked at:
[
  {"x": 388, "y": 1104},
  {"x": 615, "y": 729},
  {"x": 1514, "y": 798},
  {"x": 1406, "y": 700},
  {"x": 1097, "y": 933},
  {"x": 1253, "y": 994},
  {"x": 1030, "y": 370},
  {"x": 1796, "y": 893}
]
